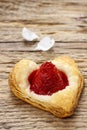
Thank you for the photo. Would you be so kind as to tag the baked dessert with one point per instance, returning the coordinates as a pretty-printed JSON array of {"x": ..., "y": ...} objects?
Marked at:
[{"x": 54, "y": 86}]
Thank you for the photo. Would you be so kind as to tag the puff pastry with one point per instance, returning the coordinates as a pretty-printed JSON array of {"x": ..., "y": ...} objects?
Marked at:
[{"x": 61, "y": 103}]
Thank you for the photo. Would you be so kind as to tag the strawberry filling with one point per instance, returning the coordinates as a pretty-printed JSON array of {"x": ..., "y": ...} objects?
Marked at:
[{"x": 47, "y": 79}]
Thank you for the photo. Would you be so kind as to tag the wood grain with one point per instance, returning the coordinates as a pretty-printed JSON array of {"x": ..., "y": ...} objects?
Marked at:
[{"x": 66, "y": 22}]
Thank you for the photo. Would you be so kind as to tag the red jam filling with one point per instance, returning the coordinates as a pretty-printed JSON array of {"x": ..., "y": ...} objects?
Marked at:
[{"x": 47, "y": 79}]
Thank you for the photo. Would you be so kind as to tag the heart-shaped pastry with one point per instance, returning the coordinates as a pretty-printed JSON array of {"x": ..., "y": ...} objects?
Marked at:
[{"x": 54, "y": 86}]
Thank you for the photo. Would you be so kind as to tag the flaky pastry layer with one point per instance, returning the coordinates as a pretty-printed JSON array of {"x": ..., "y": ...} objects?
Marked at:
[{"x": 61, "y": 103}]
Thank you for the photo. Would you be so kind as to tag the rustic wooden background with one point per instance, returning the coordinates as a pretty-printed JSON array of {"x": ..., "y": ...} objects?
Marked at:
[{"x": 63, "y": 20}]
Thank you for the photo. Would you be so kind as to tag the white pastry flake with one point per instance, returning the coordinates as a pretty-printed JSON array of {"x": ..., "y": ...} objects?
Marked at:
[
  {"x": 45, "y": 44},
  {"x": 29, "y": 35}
]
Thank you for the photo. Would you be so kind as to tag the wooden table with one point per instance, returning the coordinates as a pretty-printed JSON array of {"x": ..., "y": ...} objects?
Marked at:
[{"x": 63, "y": 20}]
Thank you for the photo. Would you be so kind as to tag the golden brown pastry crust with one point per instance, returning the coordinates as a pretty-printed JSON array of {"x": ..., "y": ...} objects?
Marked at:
[{"x": 61, "y": 103}]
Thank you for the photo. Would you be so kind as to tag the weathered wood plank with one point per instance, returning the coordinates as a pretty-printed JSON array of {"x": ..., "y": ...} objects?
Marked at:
[
  {"x": 36, "y": 10},
  {"x": 11, "y": 31},
  {"x": 29, "y": 46},
  {"x": 63, "y": 20}
]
